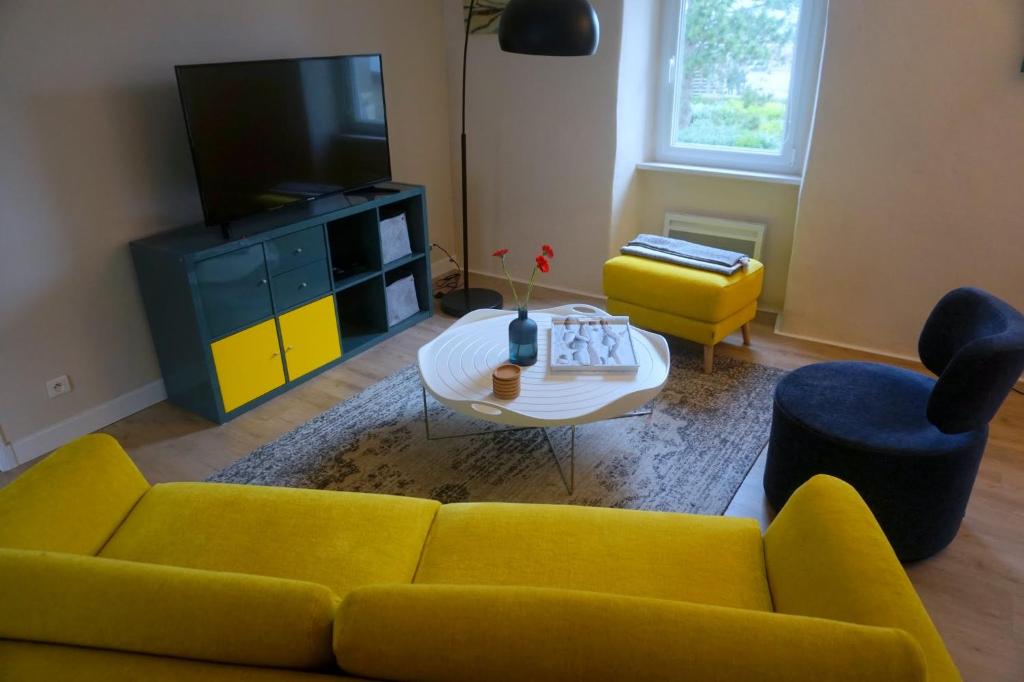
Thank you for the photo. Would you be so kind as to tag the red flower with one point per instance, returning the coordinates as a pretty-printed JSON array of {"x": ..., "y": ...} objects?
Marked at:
[
  {"x": 547, "y": 250},
  {"x": 500, "y": 252},
  {"x": 542, "y": 264}
]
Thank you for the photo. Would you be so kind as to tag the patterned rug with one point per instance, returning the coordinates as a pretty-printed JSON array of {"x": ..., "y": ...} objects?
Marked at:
[{"x": 690, "y": 455}]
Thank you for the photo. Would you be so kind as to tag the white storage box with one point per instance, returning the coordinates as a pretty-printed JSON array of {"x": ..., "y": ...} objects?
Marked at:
[
  {"x": 394, "y": 238},
  {"x": 401, "y": 299}
]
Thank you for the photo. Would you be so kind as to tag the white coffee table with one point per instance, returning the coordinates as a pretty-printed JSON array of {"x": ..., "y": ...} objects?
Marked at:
[{"x": 455, "y": 368}]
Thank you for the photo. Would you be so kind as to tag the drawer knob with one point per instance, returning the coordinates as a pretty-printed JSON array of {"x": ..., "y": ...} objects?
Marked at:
[
  {"x": 303, "y": 285},
  {"x": 298, "y": 251},
  {"x": 263, "y": 282},
  {"x": 288, "y": 349}
]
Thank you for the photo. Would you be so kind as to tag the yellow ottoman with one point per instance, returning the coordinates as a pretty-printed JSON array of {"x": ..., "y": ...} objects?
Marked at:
[{"x": 692, "y": 304}]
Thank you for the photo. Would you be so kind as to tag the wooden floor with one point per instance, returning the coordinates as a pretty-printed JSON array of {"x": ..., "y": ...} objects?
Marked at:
[{"x": 974, "y": 589}]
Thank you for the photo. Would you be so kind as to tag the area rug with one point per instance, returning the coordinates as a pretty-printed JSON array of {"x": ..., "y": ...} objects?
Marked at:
[{"x": 690, "y": 455}]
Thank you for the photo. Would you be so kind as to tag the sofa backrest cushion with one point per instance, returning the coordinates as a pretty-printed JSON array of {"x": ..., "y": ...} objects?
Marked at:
[
  {"x": 446, "y": 632},
  {"x": 73, "y": 500},
  {"x": 163, "y": 610}
]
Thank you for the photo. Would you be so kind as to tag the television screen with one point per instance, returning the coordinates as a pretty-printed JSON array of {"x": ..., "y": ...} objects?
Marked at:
[{"x": 270, "y": 133}]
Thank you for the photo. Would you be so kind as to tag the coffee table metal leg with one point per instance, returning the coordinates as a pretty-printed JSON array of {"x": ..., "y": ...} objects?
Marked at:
[
  {"x": 572, "y": 460},
  {"x": 570, "y": 483},
  {"x": 426, "y": 415},
  {"x": 426, "y": 426}
]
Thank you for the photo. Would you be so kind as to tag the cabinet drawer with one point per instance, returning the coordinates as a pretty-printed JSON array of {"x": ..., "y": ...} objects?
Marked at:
[
  {"x": 310, "y": 337},
  {"x": 295, "y": 249},
  {"x": 248, "y": 364},
  {"x": 233, "y": 290},
  {"x": 300, "y": 285}
]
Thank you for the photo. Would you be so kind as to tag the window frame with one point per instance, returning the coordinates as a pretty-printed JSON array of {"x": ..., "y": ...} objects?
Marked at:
[{"x": 807, "y": 54}]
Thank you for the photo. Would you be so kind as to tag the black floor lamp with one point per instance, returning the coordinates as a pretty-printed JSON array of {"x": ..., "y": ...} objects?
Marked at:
[{"x": 554, "y": 28}]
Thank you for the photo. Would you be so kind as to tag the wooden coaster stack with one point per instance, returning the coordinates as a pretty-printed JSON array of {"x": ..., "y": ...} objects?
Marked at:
[{"x": 506, "y": 382}]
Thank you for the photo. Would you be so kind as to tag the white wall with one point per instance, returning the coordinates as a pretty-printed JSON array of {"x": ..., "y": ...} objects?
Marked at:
[
  {"x": 541, "y": 134},
  {"x": 95, "y": 154},
  {"x": 913, "y": 185},
  {"x": 635, "y": 112}
]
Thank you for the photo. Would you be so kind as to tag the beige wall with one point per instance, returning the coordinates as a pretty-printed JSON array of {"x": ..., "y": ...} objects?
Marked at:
[
  {"x": 914, "y": 179},
  {"x": 541, "y": 134},
  {"x": 635, "y": 113},
  {"x": 553, "y": 148},
  {"x": 94, "y": 154},
  {"x": 763, "y": 202}
]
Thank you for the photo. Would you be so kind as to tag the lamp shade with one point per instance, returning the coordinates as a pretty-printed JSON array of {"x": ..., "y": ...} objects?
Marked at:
[{"x": 555, "y": 28}]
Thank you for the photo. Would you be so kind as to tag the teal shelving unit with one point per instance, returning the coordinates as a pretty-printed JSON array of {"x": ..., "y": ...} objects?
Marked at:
[{"x": 214, "y": 305}]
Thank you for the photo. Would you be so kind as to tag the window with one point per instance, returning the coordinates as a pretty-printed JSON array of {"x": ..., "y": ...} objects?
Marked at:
[{"x": 738, "y": 83}]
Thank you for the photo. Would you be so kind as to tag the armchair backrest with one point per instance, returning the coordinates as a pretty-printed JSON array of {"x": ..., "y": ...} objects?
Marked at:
[{"x": 974, "y": 342}]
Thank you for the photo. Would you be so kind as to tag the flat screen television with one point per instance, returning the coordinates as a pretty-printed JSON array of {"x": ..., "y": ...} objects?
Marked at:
[{"x": 266, "y": 134}]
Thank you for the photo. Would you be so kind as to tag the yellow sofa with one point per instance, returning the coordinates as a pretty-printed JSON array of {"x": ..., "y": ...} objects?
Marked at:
[
  {"x": 104, "y": 577},
  {"x": 691, "y": 304}
]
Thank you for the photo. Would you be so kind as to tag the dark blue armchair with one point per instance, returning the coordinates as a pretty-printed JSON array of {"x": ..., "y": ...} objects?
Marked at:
[{"x": 909, "y": 444}]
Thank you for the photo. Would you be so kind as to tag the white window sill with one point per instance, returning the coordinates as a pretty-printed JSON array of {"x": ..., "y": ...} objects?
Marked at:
[{"x": 776, "y": 178}]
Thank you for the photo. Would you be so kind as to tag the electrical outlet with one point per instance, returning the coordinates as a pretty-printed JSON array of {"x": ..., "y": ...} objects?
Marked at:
[{"x": 58, "y": 386}]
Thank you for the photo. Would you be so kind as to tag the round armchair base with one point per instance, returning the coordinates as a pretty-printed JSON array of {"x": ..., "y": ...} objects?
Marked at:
[{"x": 865, "y": 424}]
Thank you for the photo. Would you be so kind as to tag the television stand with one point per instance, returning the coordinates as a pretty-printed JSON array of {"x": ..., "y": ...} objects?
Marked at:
[
  {"x": 292, "y": 293},
  {"x": 382, "y": 189}
]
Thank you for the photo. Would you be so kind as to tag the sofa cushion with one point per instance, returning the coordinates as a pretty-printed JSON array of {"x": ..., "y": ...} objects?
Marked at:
[
  {"x": 684, "y": 292},
  {"x": 706, "y": 559},
  {"x": 30, "y": 662},
  {"x": 73, "y": 500},
  {"x": 338, "y": 539},
  {"x": 149, "y": 609},
  {"x": 456, "y": 634}
]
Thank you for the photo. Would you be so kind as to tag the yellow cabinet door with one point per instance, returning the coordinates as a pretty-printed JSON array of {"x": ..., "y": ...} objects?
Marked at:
[
  {"x": 310, "y": 337},
  {"x": 248, "y": 364}
]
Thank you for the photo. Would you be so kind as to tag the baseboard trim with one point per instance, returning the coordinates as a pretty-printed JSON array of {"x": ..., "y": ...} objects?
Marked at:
[
  {"x": 52, "y": 437},
  {"x": 840, "y": 344},
  {"x": 7, "y": 459}
]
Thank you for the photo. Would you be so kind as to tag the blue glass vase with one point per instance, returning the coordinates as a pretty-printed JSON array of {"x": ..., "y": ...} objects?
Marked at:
[{"x": 522, "y": 340}]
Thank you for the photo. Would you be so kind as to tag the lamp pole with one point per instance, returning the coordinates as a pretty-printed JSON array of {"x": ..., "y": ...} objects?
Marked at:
[
  {"x": 552, "y": 28},
  {"x": 461, "y": 301}
]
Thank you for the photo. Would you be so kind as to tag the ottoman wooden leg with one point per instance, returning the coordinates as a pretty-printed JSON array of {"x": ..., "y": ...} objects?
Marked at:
[
  {"x": 746, "y": 334},
  {"x": 709, "y": 359}
]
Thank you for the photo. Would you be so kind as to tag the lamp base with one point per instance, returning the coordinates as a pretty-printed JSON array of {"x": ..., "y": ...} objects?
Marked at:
[{"x": 461, "y": 301}]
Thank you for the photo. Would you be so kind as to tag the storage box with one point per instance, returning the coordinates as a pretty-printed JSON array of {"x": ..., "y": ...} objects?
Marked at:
[
  {"x": 401, "y": 300},
  {"x": 394, "y": 238}
]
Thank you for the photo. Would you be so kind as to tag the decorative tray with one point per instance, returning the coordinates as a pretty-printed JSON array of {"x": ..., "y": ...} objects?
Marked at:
[{"x": 591, "y": 344}]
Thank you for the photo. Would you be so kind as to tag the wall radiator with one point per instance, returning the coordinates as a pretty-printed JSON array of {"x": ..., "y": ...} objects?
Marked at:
[{"x": 734, "y": 235}]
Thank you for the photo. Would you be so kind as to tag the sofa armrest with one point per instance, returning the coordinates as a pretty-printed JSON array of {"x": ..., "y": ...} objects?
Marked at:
[
  {"x": 827, "y": 557},
  {"x": 73, "y": 500},
  {"x": 164, "y": 610},
  {"x": 455, "y": 633}
]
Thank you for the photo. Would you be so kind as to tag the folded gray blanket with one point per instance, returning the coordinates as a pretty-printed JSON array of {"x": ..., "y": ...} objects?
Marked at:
[{"x": 686, "y": 254}]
